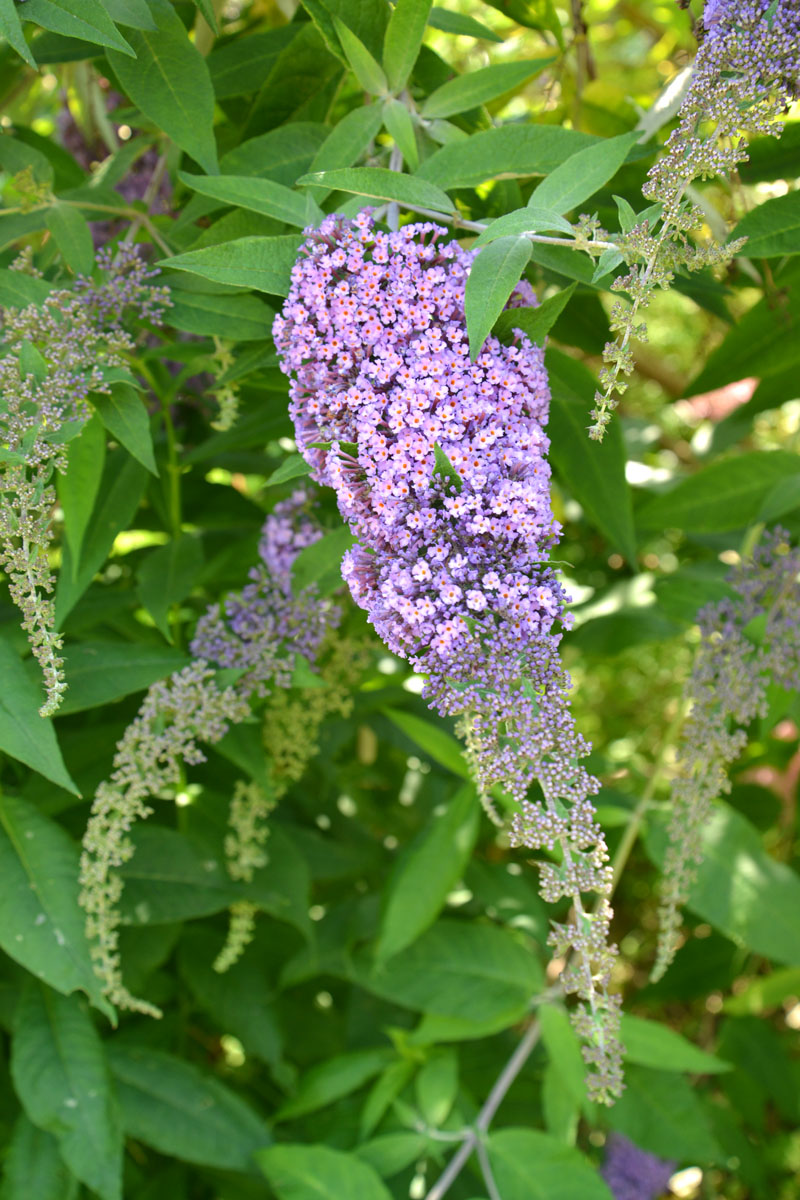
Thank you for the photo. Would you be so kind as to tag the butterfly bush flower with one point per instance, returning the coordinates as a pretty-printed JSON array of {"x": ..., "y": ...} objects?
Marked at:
[
  {"x": 439, "y": 466},
  {"x": 632, "y": 1173},
  {"x": 747, "y": 643},
  {"x": 746, "y": 74},
  {"x": 52, "y": 356},
  {"x": 258, "y": 632}
]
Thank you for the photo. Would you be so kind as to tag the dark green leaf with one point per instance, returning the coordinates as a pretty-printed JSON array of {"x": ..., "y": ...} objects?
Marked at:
[
  {"x": 11, "y": 30},
  {"x": 651, "y": 1044},
  {"x": 183, "y": 1112},
  {"x": 168, "y": 81},
  {"x": 291, "y": 468},
  {"x": 772, "y": 229},
  {"x": 60, "y": 1072},
  {"x": 537, "y": 322},
  {"x": 262, "y": 263},
  {"x": 170, "y": 879},
  {"x": 583, "y": 174},
  {"x": 73, "y": 237},
  {"x": 400, "y": 127},
  {"x": 493, "y": 276},
  {"x": 124, "y": 415},
  {"x": 240, "y": 67},
  {"x": 321, "y": 562},
  {"x": 80, "y": 483},
  {"x": 99, "y": 673},
  {"x": 167, "y": 576},
  {"x": 332, "y": 1079},
  {"x": 86, "y": 19},
  {"x": 366, "y": 70},
  {"x": 309, "y": 1172},
  {"x": 434, "y": 742},
  {"x": 259, "y": 195},
  {"x": 508, "y": 150},
  {"x": 25, "y": 735},
  {"x": 240, "y": 318},
  {"x": 529, "y": 1165},
  {"x": 594, "y": 472},
  {"x": 403, "y": 39},
  {"x": 33, "y": 1165},
  {"x": 478, "y": 87},
  {"x": 663, "y": 1114}
]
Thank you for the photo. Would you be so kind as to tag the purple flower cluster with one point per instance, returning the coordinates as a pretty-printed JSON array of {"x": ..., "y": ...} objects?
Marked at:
[
  {"x": 260, "y": 629},
  {"x": 633, "y": 1174},
  {"x": 438, "y": 464}
]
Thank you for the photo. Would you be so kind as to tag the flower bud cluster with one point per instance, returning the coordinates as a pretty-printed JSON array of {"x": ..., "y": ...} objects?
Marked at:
[
  {"x": 748, "y": 643},
  {"x": 439, "y": 466},
  {"x": 52, "y": 356}
]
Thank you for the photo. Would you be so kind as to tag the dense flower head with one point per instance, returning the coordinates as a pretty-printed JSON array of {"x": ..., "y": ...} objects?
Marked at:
[
  {"x": 439, "y": 466},
  {"x": 632, "y": 1173},
  {"x": 728, "y": 688}
]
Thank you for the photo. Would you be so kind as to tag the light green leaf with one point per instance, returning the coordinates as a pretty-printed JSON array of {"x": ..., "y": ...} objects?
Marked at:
[
  {"x": 764, "y": 993},
  {"x": 462, "y": 970},
  {"x": 60, "y": 1073},
  {"x": 258, "y": 195},
  {"x": 727, "y": 494},
  {"x": 400, "y": 127},
  {"x": 510, "y": 150},
  {"x": 583, "y": 174},
  {"x": 366, "y": 70},
  {"x": 332, "y": 1079},
  {"x": 391, "y": 1152},
  {"x": 183, "y": 1112},
  {"x": 529, "y": 1165},
  {"x": 479, "y": 87},
  {"x": 461, "y": 26},
  {"x": 379, "y": 183},
  {"x": 291, "y": 468},
  {"x": 492, "y": 278},
  {"x": 740, "y": 889},
  {"x": 403, "y": 39},
  {"x": 662, "y": 1113},
  {"x": 321, "y": 562},
  {"x": 309, "y": 1172},
  {"x": 34, "y": 1167},
  {"x": 80, "y": 483},
  {"x": 18, "y": 290},
  {"x": 772, "y": 229},
  {"x": 435, "y": 743},
  {"x": 240, "y": 317},
  {"x": 261, "y": 263},
  {"x": 124, "y": 415},
  {"x": 427, "y": 873},
  {"x": 11, "y": 30},
  {"x": 561, "y": 1111},
  {"x": 524, "y": 220},
  {"x": 348, "y": 139},
  {"x": 594, "y": 472},
  {"x": 436, "y": 1087},
  {"x": 651, "y": 1044},
  {"x": 41, "y": 924},
  {"x": 168, "y": 81},
  {"x": 167, "y": 576},
  {"x": 98, "y": 673},
  {"x": 783, "y": 498},
  {"x": 73, "y": 237},
  {"x": 85, "y": 19},
  {"x": 25, "y": 735},
  {"x": 563, "y": 1049},
  {"x": 537, "y": 322}
]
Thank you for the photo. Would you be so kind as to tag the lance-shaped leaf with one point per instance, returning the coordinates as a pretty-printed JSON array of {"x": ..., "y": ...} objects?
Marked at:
[
  {"x": 479, "y": 87},
  {"x": 403, "y": 39},
  {"x": 379, "y": 183},
  {"x": 493, "y": 276}
]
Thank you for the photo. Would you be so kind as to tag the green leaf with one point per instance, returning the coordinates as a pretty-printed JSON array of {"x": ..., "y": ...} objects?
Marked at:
[
  {"x": 240, "y": 318},
  {"x": 348, "y": 139},
  {"x": 366, "y": 70},
  {"x": 563, "y": 1049},
  {"x": 321, "y": 562},
  {"x": 183, "y": 1112},
  {"x": 740, "y": 889},
  {"x": 510, "y": 150},
  {"x": 11, "y": 30},
  {"x": 524, "y": 220},
  {"x": 764, "y": 993},
  {"x": 651, "y": 1044},
  {"x": 727, "y": 494},
  {"x": 60, "y": 1073},
  {"x": 31, "y": 362},
  {"x": 457, "y": 969},
  {"x": 120, "y": 491},
  {"x": 772, "y": 229},
  {"x": 206, "y": 7},
  {"x": 262, "y": 263},
  {"x": 41, "y": 925},
  {"x": 169, "y": 878},
  {"x": 529, "y": 1165},
  {"x": 537, "y": 322},
  {"x": 583, "y": 174},
  {"x": 445, "y": 470},
  {"x": 663, "y": 1114},
  {"x": 435, "y": 743},
  {"x": 400, "y": 127},
  {"x": 403, "y": 39},
  {"x": 80, "y": 483},
  {"x": 73, "y": 237},
  {"x": 461, "y": 26},
  {"x": 99, "y": 673},
  {"x": 379, "y": 183},
  {"x": 309, "y": 1172},
  {"x": 167, "y": 576},
  {"x": 130, "y": 12},
  {"x": 492, "y": 278},
  {"x": 478, "y": 87},
  {"x": 85, "y": 19},
  {"x": 594, "y": 472},
  {"x": 425, "y": 876},
  {"x": 436, "y": 1087},
  {"x": 239, "y": 67},
  {"x": 124, "y": 415},
  {"x": 168, "y": 81},
  {"x": 291, "y": 468},
  {"x": 258, "y": 195},
  {"x": 25, "y": 735},
  {"x": 18, "y": 290},
  {"x": 392, "y": 1152},
  {"x": 783, "y": 498},
  {"x": 33, "y": 1165},
  {"x": 332, "y": 1079}
]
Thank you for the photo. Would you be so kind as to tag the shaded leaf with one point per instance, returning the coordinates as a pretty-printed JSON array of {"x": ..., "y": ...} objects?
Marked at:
[
  {"x": 772, "y": 229},
  {"x": 529, "y": 1165},
  {"x": 663, "y": 1114},
  {"x": 99, "y": 673},
  {"x": 23, "y": 733},
  {"x": 332, "y": 1079},
  {"x": 33, "y": 1165},
  {"x": 124, "y": 415},
  {"x": 79, "y": 484},
  {"x": 167, "y": 576},
  {"x": 537, "y": 322},
  {"x": 309, "y": 1172},
  {"x": 651, "y": 1044},
  {"x": 73, "y": 237}
]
